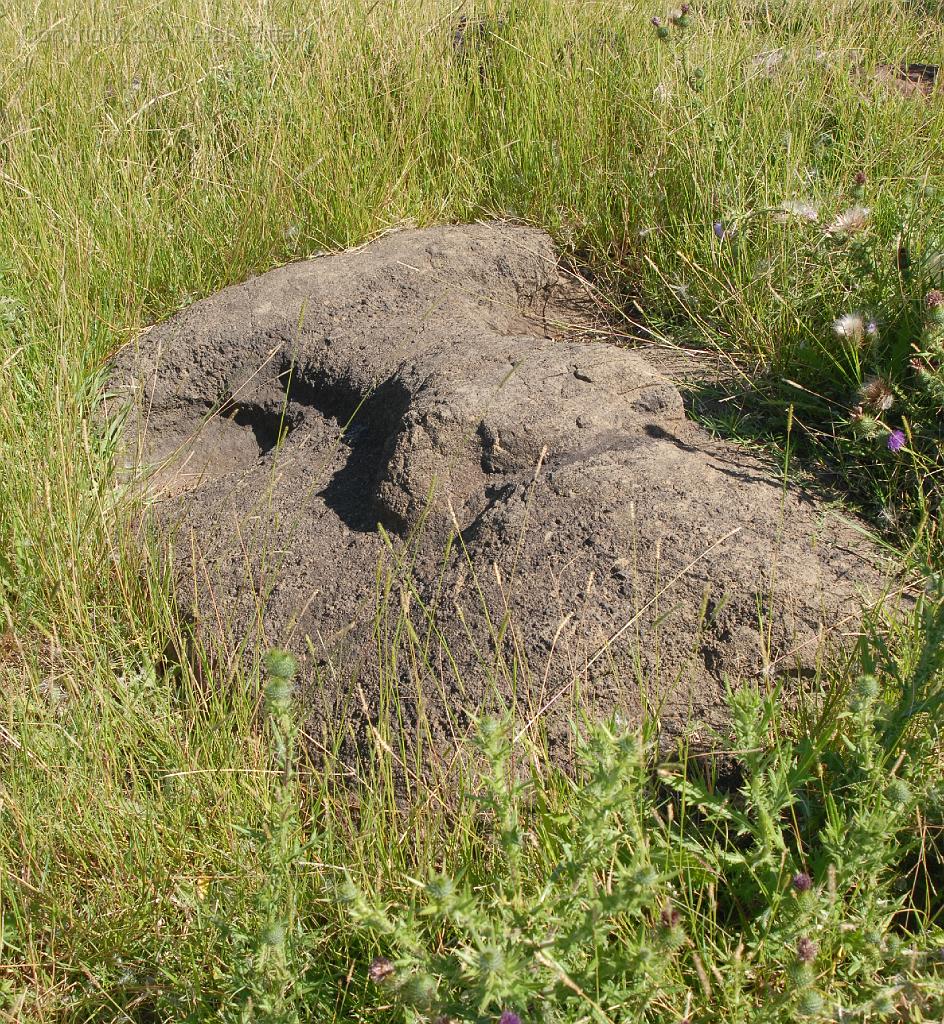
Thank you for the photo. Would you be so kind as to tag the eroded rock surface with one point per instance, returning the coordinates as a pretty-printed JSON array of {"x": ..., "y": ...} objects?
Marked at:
[{"x": 603, "y": 547}]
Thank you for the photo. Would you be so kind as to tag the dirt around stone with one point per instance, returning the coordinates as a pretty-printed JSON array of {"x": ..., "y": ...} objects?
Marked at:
[{"x": 405, "y": 449}]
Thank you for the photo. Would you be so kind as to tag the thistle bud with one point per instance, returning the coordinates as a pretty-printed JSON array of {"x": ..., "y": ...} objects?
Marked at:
[
  {"x": 280, "y": 664},
  {"x": 898, "y": 792},
  {"x": 661, "y": 30},
  {"x": 864, "y": 425},
  {"x": 274, "y": 935},
  {"x": 810, "y": 1003},
  {"x": 278, "y": 695},
  {"x": 420, "y": 991},
  {"x": 867, "y": 687}
]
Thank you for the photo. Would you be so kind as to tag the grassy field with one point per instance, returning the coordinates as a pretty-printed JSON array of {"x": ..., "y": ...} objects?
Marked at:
[{"x": 737, "y": 178}]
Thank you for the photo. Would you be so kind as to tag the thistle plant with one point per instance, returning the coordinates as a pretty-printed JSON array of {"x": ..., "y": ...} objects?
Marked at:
[
  {"x": 593, "y": 893},
  {"x": 874, "y": 377},
  {"x": 268, "y": 984},
  {"x": 592, "y": 927}
]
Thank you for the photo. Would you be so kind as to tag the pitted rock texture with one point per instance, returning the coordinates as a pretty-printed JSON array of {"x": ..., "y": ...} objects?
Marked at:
[{"x": 409, "y": 432}]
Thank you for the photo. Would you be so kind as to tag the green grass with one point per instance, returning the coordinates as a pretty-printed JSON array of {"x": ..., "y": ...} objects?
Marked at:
[{"x": 150, "y": 838}]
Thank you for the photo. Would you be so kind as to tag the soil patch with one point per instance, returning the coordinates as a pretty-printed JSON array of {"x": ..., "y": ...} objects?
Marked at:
[{"x": 413, "y": 447}]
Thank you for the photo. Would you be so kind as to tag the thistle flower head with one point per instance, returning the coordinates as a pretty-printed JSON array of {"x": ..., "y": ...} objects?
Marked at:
[
  {"x": 877, "y": 394},
  {"x": 883, "y": 1005},
  {"x": 661, "y": 30},
  {"x": 420, "y": 990},
  {"x": 441, "y": 888},
  {"x": 274, "y": 934},
  {"x": 509, "y": 1017},
  {"x": 806, "y": 950},
  {"x": 278, "y": 694},
  {"x": 849, "y": 222},
  {"x": 896, "y": 440},
  {"x": 866, "y": 688},
  {"x": 802, "y": 882},
  {"x": 934, "y": 302},
  {"x": 850, "y": 327},
  {"x": 794, "y": 209},
  {"x": 491, "y": 961},
  {"x": 381, "y": 969},
  {"x": 669, "y": 916}
]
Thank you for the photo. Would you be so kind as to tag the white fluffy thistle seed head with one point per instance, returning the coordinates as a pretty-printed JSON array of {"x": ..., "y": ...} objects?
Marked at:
[
  {"x": 795, "y": 210},
  {"x": 850, "y": 327},
  {"x": 850, "y": 222}
]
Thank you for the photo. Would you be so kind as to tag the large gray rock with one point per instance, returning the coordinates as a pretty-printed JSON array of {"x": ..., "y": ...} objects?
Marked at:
[{"x": 602, "y": 547}]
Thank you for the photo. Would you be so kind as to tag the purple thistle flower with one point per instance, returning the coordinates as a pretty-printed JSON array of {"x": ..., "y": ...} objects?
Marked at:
[
  {"x": 721, "y": 232},
  {"x": 380, "y": 970},
  {"x": 802, "y": 882},
  {"x": 896, "y": 440},
  {"x": 509, "y": 1017},
  {"x": 806, "y": 950}
]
